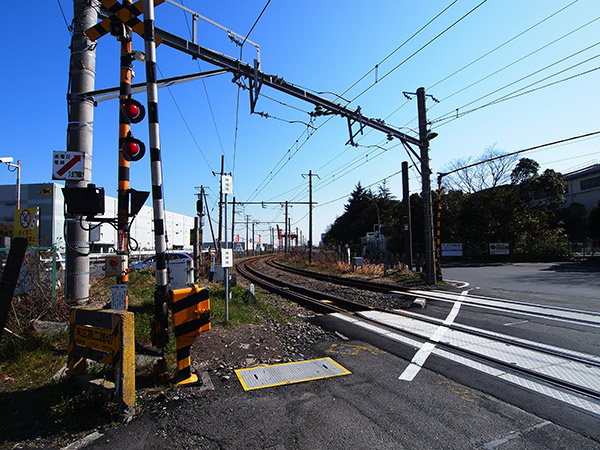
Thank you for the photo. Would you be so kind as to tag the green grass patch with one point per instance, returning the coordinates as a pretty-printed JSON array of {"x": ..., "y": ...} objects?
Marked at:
[{"x": 242, "y": 307}]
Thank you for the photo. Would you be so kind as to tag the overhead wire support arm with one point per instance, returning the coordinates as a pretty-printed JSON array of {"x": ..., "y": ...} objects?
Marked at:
[{"x": 242, "y": 69}]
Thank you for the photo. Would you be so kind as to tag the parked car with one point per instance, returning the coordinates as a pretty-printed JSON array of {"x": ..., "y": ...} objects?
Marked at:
[{"x": 150, "y": 261}]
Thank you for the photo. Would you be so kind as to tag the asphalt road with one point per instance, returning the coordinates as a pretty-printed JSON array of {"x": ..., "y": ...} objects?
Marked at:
[
  {"x": 370, "y": 408},
  {"x": 570, "y": 284}
]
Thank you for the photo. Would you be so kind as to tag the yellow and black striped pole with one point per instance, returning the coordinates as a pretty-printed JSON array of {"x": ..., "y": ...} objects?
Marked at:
[
  {"x": 124, "y": 128},
  {"x": 191, "y": 316}
]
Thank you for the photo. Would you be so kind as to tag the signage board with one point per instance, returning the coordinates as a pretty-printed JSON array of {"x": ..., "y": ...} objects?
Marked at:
[
  {"x": 26, "y": 224},
  {"x": 227, "y": 257},
  {"x": 499, "y": 248},
  {"x": 68, "y": 166},
  {"x": 452, "y": 249},
  {"x": 92, "y": 337},
  {"x": 118, "y": 297},
  {"x": 227, "y": 183}
]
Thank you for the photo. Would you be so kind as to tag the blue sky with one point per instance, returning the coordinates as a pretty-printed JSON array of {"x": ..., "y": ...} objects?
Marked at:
[{"x": 324, "y": 47}]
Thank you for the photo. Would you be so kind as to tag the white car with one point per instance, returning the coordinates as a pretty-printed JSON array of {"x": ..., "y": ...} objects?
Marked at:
[{"x": 150, "y": 261}]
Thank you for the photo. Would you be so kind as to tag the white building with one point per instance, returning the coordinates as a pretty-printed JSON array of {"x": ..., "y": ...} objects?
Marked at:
[
  {"x": 49, "y": 198},
  {"x": 583, "y": 186}
]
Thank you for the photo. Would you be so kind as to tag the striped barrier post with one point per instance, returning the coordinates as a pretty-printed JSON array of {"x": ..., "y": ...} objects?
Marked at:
[
  {"x": 160, "y": 334},
  {"x": 191, "y": 316},
  {"x": 105, "y": 336}
]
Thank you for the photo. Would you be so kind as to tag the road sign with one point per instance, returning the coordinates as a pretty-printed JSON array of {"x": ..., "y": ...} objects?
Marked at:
[
  {"x": 25, "y": 224},
  {"x": 499, "y": 248},
  {"x": 68, "y": 166}
]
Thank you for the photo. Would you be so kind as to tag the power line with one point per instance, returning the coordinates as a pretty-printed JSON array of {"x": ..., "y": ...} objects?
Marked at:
[
  {"x": 549, "y": 144},
  {"x": 185, "y": 121},
  {"x": 524, "y": 57},
  {"x": 511, "y": 96},
  {"x": 421, "y": 48},
  {"x": 503, "y": 44}
]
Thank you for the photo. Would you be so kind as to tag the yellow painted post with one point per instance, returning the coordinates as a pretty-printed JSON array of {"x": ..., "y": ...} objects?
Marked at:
[{"x": 106, "y": 336}]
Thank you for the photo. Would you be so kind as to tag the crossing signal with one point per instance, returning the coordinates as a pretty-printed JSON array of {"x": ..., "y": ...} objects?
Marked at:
[
  {"x": 133, "y": 149},
  {"x": 132, "y": 110}
]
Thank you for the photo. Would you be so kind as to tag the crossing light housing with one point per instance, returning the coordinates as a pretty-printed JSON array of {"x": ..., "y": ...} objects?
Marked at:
[
  {"x": 132, "y": 110},
  {"x": 133, "y": 149}
]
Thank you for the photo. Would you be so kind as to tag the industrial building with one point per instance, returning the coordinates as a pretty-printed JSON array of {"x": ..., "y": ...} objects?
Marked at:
[{"x": 49, "y": 198}]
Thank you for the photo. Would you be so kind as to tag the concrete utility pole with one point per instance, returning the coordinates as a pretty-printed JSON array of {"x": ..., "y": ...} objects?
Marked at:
[
  {"x": 408, "y": 258},
  {"x": 82, "y": 73},
  {"x": 310, "y": 217},
  {"x": 287, "y": 230},
  {"x": 219, "y": 233},
  {"x": 426, "y": 193},
  {"x": 233, "y": 222}
]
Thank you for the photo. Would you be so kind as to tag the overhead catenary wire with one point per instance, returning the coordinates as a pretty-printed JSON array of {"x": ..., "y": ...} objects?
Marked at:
[{"x": 453, "y": 113}]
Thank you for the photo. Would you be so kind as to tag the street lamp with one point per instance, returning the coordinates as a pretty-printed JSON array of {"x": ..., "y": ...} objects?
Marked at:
[{"x": 8, "y": 160}]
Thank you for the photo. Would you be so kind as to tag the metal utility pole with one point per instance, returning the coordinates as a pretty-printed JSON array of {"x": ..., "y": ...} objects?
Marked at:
[
  {"x": 233, "y": 222},
  {"x": 219, "y": 233},
  {"x": 285, "y": 235},
  {"x": 82, "y": 74},
  {"x": 247, "y": 217},
  {"x": 426, "y": 192},
  {"x": 407, "y": 219},
  {"x": 310, "y": 217}
]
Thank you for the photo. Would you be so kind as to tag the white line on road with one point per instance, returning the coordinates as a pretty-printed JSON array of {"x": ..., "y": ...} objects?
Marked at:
[{"x": 421, "y": 356}]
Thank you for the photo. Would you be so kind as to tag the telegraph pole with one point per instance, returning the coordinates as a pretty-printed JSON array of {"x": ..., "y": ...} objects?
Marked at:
[
  {"x": 233, "y": 222},
  {"x": 219, "y": 233},
  {"x": 426, "y": 185},
  {"x": 82, "y": 71},
  {"x": 285, "y": 236},
  {"x": 310, "y": 217},
  {"x": 247, "y": 217},
  {"x": 407, "y": 219}
]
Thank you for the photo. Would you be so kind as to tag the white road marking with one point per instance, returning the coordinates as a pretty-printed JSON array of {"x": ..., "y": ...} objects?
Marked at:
[
  {"x": 421, "y": 356},
  {"x": 513, "y": 435},
  {"x": 508, "y": 324}
]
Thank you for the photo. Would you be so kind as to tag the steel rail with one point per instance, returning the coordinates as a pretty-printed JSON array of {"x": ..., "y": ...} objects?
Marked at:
[{"x": 285, "y": 290}]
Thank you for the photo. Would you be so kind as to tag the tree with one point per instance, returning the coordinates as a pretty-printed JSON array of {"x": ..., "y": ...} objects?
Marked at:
[
  {"x": 471, "y": 175},
  {"x": 593, "y": 223},
  {"x": 524, "y": 170}
]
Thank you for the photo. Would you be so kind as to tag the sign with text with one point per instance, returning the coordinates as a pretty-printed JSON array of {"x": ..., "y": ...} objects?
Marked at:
[
  {"x": 499, "y": 248},
  {"x": 26, "y": 224},
  {"x": 227, "y": 183},
  {"x": 68, "y": 166},
  {"x": 118, "y": 298},
  {"x": 452, "y": 249},
  {"x": 226, "y": 257}
]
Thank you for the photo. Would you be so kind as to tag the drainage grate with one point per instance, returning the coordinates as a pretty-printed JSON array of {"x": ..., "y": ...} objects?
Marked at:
[{"x": 288, "y": 373}]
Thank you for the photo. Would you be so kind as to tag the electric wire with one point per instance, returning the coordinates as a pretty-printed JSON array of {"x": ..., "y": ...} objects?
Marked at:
[
  {"x": 69, "y": 27},
  {"x": 524, "y": 57},
  {"x": 506, "y": 43},
  {"x": 422, "y": 48},
  {"x": 185, "y": 121},
  {"x": 515, "y": 94},
  {"x": 454, "y": 112},
  {"x": 257, "y": 191}
]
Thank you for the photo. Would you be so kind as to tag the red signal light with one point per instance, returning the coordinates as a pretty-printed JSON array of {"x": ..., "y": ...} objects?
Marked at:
[
  {"x": 113, "y": 262},
  {"x": 132, "y": 110},
  {"x": 133, "y": 149}
]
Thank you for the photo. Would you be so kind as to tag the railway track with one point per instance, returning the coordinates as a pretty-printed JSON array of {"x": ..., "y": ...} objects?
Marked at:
[{"x": 564, "y": 372}]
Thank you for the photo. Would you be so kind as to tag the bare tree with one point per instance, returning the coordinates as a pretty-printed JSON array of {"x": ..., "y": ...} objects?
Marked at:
[{"x": 471, "y": 174}]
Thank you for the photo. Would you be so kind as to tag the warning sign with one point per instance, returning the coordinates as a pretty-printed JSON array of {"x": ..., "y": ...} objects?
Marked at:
[
  {"x": 96, "y": 338},
  {"x": 26, "y": 224},
  {"x": 68, "y": 166}
]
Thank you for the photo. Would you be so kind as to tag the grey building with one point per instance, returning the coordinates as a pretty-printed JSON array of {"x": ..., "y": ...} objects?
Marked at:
[
  {"x": 583, "y": 186},
  {"x": 48, "y": 197}
]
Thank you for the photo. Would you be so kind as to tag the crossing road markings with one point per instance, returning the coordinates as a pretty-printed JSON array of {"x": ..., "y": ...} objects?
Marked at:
[
  {"x": 350, "y": 349},
  {"x": 421, "y": 356}
]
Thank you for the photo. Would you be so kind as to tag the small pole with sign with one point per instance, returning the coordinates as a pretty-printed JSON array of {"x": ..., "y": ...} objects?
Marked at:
[{"x": 226, "y": 253}]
